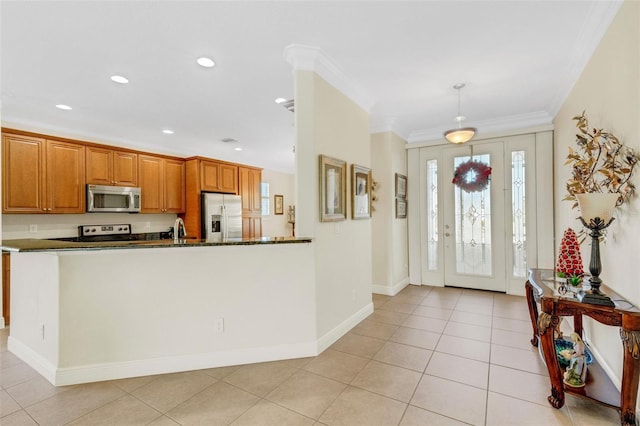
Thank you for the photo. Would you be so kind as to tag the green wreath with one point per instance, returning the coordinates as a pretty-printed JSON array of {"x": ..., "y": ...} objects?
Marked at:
[{"x": 471, "y": 176}]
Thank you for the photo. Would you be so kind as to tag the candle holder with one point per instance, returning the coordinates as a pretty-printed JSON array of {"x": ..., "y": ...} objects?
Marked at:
[{"x": 595, "y": 296}]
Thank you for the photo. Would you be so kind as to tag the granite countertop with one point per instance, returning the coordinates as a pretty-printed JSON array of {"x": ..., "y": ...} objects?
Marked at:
[{"x": 29, "y": 245}]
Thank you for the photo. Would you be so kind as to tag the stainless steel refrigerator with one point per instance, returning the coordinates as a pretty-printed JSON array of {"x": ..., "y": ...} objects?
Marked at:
[{"x": 221, "y": 217}]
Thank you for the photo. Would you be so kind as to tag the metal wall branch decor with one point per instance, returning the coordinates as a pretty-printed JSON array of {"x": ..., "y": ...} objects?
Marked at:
[{"x": 601, "y": 164}]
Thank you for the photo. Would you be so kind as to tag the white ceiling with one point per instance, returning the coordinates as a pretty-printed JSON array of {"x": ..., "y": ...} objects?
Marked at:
[{"x": 519, "y": 60}]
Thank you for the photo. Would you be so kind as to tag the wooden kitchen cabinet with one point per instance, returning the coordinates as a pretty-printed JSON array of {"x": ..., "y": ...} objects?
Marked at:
[
  {"x": 251, "y": 227},
  {"x": 162, "y": 181},
  {"x": 42, "y": 176},
  {"x": 111, "y": 167},
  {"x": 250, "y": 180},
  {"x": 218, "y": 177}
]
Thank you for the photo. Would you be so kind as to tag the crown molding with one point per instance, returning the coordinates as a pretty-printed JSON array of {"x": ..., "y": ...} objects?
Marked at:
[
  {"x": 310, "y": 58},
  {"x": 485, "y": 127},
  {"x": 387, "y": 124},
  {"x": 598, "y": 21}
]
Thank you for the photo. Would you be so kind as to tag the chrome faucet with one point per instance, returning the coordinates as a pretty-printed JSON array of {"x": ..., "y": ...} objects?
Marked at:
[{"x": 179, "y": 231}]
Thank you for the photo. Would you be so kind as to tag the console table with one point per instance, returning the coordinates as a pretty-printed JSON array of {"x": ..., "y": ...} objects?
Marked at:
[{"x": 542, "y": 289}]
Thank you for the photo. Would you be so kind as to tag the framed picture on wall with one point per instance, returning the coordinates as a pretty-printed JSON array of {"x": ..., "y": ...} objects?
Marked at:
[
  {"x": 278, "y": 204},
  {"x": 360, "y": 192},
  {"x": 333, "y": 189},
  {"x": 401, "y": 208},
  {"x": 401, "y": 186}
]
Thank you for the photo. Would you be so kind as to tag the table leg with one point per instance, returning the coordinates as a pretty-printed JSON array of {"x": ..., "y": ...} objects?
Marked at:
[
  {"x": 547, "y": 325},
  {"x": 577, "y": 324},
  {"x": 630, "y": 376},
  {"x": 533, "y": 312}
]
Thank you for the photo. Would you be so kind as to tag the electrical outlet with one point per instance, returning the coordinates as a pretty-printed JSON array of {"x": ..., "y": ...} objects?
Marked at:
[
  {"x": 218, "y": 325},
  {"x": 33, "y": 229}
]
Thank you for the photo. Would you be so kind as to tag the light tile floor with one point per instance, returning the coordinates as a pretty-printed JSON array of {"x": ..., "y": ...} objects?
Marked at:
[{"x": 427, "y": 356}]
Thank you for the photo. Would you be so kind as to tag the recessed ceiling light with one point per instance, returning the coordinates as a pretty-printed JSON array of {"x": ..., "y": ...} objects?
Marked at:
[
  {"x": 63, "y": 106},
  {"x": 280, "y": 100},
  {"x": 167, "y": 131},
  {"x": 119, "y": 79},
  {"x": 238, "y": 149},
  {"x": 205, "y": 62}
]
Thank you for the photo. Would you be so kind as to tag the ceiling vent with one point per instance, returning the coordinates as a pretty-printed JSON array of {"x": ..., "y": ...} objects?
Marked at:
[
  {"x": 288, "y": 105},
  {"x": 229, "y": 140}
]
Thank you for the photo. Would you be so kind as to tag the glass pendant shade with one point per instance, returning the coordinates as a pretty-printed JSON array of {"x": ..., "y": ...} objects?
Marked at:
[
  {"x": 460, "y": 135},
  {"x": 597, "y": 204}
]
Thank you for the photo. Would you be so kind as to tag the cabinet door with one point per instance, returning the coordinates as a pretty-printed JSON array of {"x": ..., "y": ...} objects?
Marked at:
[
  {"x": 251, "y": 227},
  {"x": 23, "y": 174},
  {"x": 125, "y": 168},
  {"x": 174, "y": 186},
  {"x": 99, "y": 166},
  {"x": 228, "y": 178},
  {"x": 65, "y": 177},
  {"x": 245, "y": 190},
  {"x": 209, "y": 176},
  {"x": 150, "y": 180},
  {"x": 255, "y": 191}
]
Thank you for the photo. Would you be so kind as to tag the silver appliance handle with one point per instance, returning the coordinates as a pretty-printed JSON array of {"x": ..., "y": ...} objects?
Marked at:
[
  {"x": 90, "y": 200},
  {"x": 224, "y": 222}
]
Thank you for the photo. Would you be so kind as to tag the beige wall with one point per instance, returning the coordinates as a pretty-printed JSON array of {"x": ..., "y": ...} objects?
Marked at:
[
  {"x": 390, "y": 246},
  {"x": 609, "y": 91},
  {"x": 329, "y": 123},
  {"x": 281, "y": 184}
]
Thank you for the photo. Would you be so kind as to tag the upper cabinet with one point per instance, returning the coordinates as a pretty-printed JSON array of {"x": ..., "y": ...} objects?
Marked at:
[
  {"x": 250, "y": 180},
  {"x": 217, "y": 176},
  {"x": 42, "y": 176},
  {"x": 111, "y": 167},
  {"x": 162, "y": 181}
]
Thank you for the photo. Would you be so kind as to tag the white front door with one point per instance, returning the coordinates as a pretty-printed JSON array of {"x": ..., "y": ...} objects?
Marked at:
[{"x": 474, "y": 221}]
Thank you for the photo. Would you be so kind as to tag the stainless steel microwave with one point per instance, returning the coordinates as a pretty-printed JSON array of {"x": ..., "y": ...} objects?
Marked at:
[{"x": 113, "y": 199}]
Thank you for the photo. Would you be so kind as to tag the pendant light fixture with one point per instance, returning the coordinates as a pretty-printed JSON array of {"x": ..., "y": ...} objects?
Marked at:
[{"x": 461, "y": 134}]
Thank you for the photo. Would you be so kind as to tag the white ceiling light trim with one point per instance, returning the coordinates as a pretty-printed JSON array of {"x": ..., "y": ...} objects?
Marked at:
[
  {"x": 310, "y": 58},
  {"x": 64, "y": 107},
  {"x": 119, "y": 79},
  {"x": 205, "y": 62}
]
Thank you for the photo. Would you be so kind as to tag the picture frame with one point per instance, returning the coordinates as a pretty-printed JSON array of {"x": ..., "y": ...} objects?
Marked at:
[
  {"x": 278, "y": 204},
  {"x": 361, "y": 181},
  {"x": 401, "y": 186},
  {"x": 401, "y": 208},
  {"x": 333, "y": 189}
]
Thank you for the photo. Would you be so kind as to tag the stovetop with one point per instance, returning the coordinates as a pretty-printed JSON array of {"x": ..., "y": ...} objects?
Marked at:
[{"x": 122, "y": 232}]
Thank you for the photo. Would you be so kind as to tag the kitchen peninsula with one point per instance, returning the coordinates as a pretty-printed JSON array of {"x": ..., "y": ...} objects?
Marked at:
[{"x": 84, "y": 312}]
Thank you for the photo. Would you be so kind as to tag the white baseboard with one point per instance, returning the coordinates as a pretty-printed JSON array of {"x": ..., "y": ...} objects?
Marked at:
[
  {"x": 343, "y": 328},
  {"x": 120, "y": 370},
  {"x": 32, "y": 358},
  {"x": 391, "y": 291}
]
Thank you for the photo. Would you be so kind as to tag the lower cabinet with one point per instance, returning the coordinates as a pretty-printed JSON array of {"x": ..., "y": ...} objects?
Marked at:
[{"x": 251, "y": 227}]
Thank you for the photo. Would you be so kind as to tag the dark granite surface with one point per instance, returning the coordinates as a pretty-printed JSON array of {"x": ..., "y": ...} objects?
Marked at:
[{"x": 28, "y": 245}]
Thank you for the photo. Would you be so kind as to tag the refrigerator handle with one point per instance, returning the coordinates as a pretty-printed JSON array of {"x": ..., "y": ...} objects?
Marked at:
[{"x": 224, "y": 222}]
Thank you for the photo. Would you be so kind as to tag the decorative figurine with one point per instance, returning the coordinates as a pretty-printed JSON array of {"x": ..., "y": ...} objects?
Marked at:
[{"x": 576, "y": 374}]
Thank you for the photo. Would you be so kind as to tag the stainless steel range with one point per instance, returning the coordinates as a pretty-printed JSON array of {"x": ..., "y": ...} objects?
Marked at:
[{"x": 121, "y": 232}]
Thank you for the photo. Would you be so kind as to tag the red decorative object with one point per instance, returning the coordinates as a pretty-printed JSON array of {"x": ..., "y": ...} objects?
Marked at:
[
  {"x": 569, "y": 259},
  {"x": 471, "y": 176}
]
